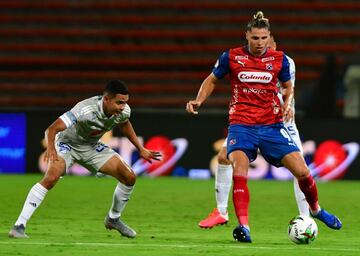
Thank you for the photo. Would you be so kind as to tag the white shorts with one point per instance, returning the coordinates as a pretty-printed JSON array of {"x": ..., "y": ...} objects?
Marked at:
[
  {"x": 294, "y": 133},
  {"x": 225, "y": 143},
  {"x": 90, "y": 157}
]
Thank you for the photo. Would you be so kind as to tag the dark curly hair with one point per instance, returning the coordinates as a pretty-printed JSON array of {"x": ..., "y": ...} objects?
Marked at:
[{"x": 116, "y": 87}]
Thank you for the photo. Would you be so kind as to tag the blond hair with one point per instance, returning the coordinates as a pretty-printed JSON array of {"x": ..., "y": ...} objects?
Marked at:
[{"x": 258, "y": 21}]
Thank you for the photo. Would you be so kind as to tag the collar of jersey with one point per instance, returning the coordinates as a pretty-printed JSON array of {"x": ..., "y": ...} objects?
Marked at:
[{"x": 248, "y": 51}]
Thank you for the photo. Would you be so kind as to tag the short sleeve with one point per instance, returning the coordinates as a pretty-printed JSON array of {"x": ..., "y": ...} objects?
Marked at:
[
  {"x": 292, "y": 69},
  {"x": 74, "y": 115},
  {"x": 221, "y": 67},
  {"x": 284, "y": 74},
  {"x": 68, "y": 118}
]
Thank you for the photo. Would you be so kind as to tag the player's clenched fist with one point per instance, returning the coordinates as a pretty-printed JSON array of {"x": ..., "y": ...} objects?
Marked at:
[{"x": 192, "y": 106}]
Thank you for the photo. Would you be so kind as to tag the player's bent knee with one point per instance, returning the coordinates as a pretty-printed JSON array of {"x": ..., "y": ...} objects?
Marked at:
[
  {"x": 222, "y": 157},
  {"x": 130, "y": 179},
  {"x": 301, "y": 173},
  {"x": 240, "y": 172},
  {"x": 223, "y": 160}
]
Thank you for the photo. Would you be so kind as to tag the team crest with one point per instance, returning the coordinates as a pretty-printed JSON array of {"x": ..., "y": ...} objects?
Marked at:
[
  {"x": 276, "y": 108},
  {"x": 232, "y": 142},
  {"x": 269, "y": 66}
]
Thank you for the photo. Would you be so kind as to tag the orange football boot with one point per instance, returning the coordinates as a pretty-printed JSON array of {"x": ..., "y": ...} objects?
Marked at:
[{"x": 215, "y": 218}]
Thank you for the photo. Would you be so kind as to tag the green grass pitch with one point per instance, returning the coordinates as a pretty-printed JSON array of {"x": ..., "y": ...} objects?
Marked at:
[{"x": 165, "y": 213}]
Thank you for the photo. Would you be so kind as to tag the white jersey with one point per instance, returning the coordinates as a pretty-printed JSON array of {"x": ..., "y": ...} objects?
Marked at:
[
  {"x": 291, "y": 126},
  {"x": 86, "y": 122},
  {"x": 292, "y": 78}
]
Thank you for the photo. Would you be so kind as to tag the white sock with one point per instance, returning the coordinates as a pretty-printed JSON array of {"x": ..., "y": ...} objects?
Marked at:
[
  {"x": 223, "y": 181},
  {"x": 32, "y": 202},
  {"x": 302, "y": 204},
  {"x": 121, "y": 197}
]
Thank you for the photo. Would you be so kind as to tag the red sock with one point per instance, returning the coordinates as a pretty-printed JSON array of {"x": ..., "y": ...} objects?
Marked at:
[
  {"x": 241, "y": 198},
  {"x": 308, "y": 187}
]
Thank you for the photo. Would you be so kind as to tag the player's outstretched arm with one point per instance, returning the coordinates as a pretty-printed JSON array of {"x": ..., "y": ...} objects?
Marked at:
[
  {"x": 50, "y": 133},
  {"x": 206, "y": 88},
  {"x": 128, "y": 130}
]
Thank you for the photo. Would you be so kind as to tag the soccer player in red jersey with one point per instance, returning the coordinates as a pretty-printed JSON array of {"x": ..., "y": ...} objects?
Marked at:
[
  {"x": 223, "y": 175},
  {"x": 256, "y": 119}
]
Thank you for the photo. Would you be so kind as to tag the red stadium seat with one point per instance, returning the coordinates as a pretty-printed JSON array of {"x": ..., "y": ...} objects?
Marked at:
[{"x": 57, "y": 52}]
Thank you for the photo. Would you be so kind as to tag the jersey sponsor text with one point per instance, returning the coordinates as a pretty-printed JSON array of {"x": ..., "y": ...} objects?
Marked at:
[{"x": 255, "y": 77}]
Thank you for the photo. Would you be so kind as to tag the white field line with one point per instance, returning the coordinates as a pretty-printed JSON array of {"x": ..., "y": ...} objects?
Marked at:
[{"x": 254, "y": 247}]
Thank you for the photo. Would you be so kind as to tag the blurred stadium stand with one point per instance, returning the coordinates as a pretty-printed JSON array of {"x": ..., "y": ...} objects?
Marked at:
[{"x": 55, "y": 53}]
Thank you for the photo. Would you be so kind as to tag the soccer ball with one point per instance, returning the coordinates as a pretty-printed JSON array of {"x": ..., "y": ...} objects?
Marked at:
[{"x": 302, "y": 229}]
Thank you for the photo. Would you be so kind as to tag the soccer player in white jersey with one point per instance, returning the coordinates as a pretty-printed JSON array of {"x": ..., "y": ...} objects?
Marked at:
[
  {"x": 75, "y": 137},
  {"x": 223, "y": 176}
]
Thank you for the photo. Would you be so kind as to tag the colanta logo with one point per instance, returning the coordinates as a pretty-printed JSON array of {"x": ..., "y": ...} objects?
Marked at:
[{"x": 255, "y": 77}]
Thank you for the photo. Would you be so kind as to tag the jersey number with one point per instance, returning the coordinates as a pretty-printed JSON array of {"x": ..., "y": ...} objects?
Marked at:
[
  {"x": 286, "y": 135},
  {"x": 100, "y": 147}
]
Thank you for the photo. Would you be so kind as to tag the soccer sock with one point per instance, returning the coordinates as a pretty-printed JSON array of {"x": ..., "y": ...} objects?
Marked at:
[
  {"x": 241, "y": 199},
  {"x": 35, "y": 197},
  {"x": 302, "y": 204},
  {"x": 223, "y": 180},
  {"x": 308, "y": 187},
  {"x": 120, "y": 198}
]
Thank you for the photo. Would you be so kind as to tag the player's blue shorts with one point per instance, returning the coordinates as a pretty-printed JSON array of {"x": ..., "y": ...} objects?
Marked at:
[{"x": 274, "y": 141}]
